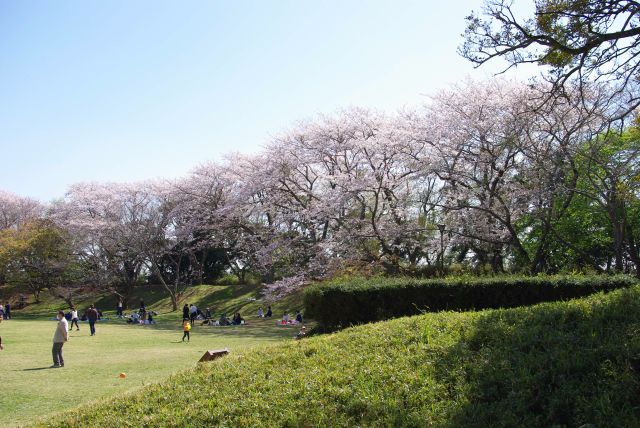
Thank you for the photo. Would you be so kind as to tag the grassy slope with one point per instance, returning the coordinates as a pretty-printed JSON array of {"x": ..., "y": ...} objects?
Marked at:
[
  {"x": 567, "y": 363},
  {"x": 220, "y": 298}
]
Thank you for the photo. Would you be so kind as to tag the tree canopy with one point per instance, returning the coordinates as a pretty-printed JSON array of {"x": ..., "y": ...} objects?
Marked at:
[{"x": 579, "y": 40}]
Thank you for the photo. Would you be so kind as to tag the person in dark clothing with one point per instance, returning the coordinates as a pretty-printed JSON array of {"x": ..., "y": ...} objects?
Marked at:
[
  {"x": 237, "y": 319},
  {"x": 185, "y": 311},
  {"x": 142, "y": 306},
  {"x": 269, "y": 314},
  {"x": 7, "y": 311},
  {"x": 92, "y": 317},
  {"x": 299, "y": 317},
  {"x": 119, "y": 308}
]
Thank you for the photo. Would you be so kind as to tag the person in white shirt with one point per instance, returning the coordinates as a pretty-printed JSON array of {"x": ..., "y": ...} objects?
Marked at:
[
  {"x": 193, "y": 313},
  {"x": 74, "y": 319},
  {"x": 260, "y": 313},
  {"x": 119, "y": 309},
  {"x": 60, "y": 336}
]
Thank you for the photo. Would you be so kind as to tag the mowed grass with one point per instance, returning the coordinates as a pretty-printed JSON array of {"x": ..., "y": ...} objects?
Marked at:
[
  {"x": 570, "y": 363},
  {"x": 147, "y": 354}
]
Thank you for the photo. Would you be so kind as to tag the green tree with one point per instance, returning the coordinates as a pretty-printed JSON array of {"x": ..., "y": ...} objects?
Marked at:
[
  {"x": 579, "y": 40},
  {"x": 36, "y": 256}
]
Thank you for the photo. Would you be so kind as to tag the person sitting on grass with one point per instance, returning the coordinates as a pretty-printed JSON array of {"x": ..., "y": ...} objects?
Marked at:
[
  {"x": 150, "y": 318},
  {"x": 207, "y": 317},
  {"x": 223, "y": 320},
  {"x": 285, "y": 318},
  {"x": 260, "y": 313},
  {"x": 135, "y": 318},
  {"x": 237, "y": 319},
  {"x": 301, "y": 333},
  {"x": 186, "y": 328},
  {"x": 269, "y": 313},
  {"x": 298, "y": 317}
]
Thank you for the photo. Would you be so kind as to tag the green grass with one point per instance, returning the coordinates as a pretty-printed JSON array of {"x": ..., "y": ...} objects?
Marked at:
[
  {"x": 563, "y": 363},
  {"x": 147, "y": 354}
]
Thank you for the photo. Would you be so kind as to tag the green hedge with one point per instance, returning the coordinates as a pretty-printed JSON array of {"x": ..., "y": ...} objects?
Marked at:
[{"x": 357, "y": 301}]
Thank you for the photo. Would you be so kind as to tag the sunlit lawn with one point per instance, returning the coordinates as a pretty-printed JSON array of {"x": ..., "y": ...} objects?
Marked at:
[{"x": 146, "y": 354}]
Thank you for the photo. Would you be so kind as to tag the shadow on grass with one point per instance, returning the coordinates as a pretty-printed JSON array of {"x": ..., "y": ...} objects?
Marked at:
[
  {"x": 36, "y": 369},
  {"x": 559, "y": 364}
]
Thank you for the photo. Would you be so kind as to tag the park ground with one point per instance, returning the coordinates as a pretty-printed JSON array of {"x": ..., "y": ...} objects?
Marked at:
[
  {"x": 146, "y": 354},
  {"x": 563, "y": 363},
  {"x": 566, "y": 364}
]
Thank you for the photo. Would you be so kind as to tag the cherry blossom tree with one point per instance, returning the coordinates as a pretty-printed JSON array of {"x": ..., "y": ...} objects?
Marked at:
[{"x": 16, "y": 210}]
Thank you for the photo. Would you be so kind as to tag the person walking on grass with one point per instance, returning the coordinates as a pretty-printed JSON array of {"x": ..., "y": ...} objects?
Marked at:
[
  {"x": 7, "y": 311},
  {"x": 59, "y": 337},
  {"x": 92, "y": 317},
  {"x": 186, "y": 328},
  {"x": 74, "y": 319},
  {"x": 1, "y": 347}
]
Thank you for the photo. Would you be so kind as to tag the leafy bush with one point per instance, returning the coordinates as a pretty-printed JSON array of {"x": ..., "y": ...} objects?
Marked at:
[
  {"x": 340, "y": 304},
  {"x": 556, "y": 364}
]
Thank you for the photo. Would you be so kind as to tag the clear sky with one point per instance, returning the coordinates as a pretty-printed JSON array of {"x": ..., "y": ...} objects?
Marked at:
[{"x": 126, "y": 90}]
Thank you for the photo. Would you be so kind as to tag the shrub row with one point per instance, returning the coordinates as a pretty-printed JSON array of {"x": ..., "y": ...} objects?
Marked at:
[{"x": 356, "y": 301}]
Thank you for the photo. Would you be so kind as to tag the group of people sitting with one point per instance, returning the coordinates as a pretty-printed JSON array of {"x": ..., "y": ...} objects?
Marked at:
[
  {"x": 192, "y": 313},
  {"x": 143, "y": 316},
  {"x": 236, "y": 320},
  {"x": 287, "y": 320},
  {"x": 262, "y": 314}
]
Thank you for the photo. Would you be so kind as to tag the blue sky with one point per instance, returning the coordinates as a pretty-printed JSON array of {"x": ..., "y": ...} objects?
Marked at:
[{"x": 129, "y": 90}]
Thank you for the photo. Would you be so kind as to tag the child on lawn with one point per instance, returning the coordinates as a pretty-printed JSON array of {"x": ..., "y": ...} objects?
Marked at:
[{"x": 186, "y": 326}]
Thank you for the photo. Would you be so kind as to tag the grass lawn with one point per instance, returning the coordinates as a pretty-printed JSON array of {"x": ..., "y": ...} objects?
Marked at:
[
  {"x": 574, "y": 363},
  {"x": 147, "y": 354}
]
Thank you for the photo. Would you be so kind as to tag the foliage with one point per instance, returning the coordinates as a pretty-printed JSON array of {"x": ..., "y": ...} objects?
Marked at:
[
  {"x": 37, "y": 256},
  {"x": 481, "y": 177},
  {"x": 580, "y": 41},
  {"x": 341, "y": 304},
  {"x": 555, "y": 364}
]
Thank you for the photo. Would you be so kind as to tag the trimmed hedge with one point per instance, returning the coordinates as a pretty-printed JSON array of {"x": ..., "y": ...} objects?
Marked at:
[{"x": 340, "y": 304}]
